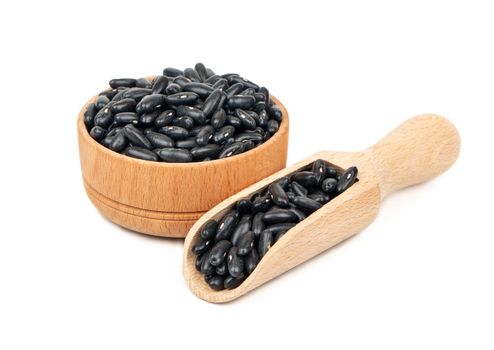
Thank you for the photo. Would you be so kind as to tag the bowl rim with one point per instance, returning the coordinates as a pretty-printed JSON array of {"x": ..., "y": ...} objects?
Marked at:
[{"x": 282, "y": 130}]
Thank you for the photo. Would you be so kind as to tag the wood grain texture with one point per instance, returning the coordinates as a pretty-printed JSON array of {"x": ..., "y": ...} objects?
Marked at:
[
  {"x": 428, "y": 140},
  {"x": 165, "y": 199}
]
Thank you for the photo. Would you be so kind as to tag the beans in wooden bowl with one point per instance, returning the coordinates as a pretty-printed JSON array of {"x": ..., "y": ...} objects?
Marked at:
[
  {"x": 183, "y": 116},
  {"x": 228, "y": 250}
]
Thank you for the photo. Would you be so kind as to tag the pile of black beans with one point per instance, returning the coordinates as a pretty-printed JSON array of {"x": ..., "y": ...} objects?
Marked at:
[
  {"x": 229, "y": 250},
  {"x": 183, "y": 116}
]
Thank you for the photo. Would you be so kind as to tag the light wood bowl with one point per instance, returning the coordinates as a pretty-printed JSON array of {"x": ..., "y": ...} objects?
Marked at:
[{"x": 166, "y": 199}]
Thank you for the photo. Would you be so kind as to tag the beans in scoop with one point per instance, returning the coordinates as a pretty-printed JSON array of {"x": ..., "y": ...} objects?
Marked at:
[
  {"x": 189, "y": 115},
  {"x": 228, "y": 250}
]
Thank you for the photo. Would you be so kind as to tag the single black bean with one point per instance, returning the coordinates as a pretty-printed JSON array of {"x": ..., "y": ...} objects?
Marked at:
[
  {"x": 175, "y": 155},
  {"x": 136, "y": 137},
  {"x": 231, "y": 150},
  {"x": 181, "y": 98},
  {"x": 89, "y": 114},
  {"x": 298, "y": 213},
  {"x": 187, "y": 143},
  {"x": 148, "y": 119},
  {"x": 226, "y": 226},
  {"x": 216, "y": 283},
  {"x": 263, "y": 118},
  {"x": 104, "y": 117},
  {"x": 124, "y": 105},
  {"x": 235, "y": 263},
  {"x": 211, "y": 103},
  {"x": 188, "y": 111},
  {"x": 204, "y": 135},
  {"x": 159, "y": 140},
  {"x": 223, "y": 133},
  {"x": 329, "y": 185},
  {"x": 261, "y": 203},
  {"x": 248, "y": 122},
  {"x": 234, "y": 89},
  {"x": 165, "y": 118},
  {"x": 275, "y": 113},
  {"x": 183, "y": 122},
  {"x": 249, "y": 136},
  {"x": 244, "y": 206},
  {"x": 221, "y": 269},
  {"x": 141, "y": 153},
  {"x": 199, "y": 260},
  {"x": 218, "y": 119},
  {"x": 258, "y": 224},
  {"x": 208, "y": 151},
  {"x": 259, "y": 107},
  {"x": 278, "y": 194},
  {"x": 245, "y": 82},
  {"x": 107, "y": 141},
  {"x": 119, "y": 142},
  {"x": 322, "y": 198},
  {"x": 298, "y": 189},
  {"x": 123, "y": 82},
  {"x": 279, "y": 216},
  {"x": 240, "y": 101},
  {"x": 136, "y": 93},
  {"x": 201, "y": 246},
  {"x": 347, "y": 179},
  {"x": 249, "y": 91},
  {"x": 144, "y": 83},
  {"x": 150, "y": 103},
  {"x": 101, "y": 101},
  {"x": 159, "y": 85},
  {"x": 175, "y": 132},
  {"x": 274, "y": 229},
  {"x": 241, "y": 228},
  {"x": 251, "y": 260},
  {"x": 234, "y": 121},
  {"x": 173, "y": 88},
  {"x": 265, "y": 242},
  {"x": 203, "y": 90},
  {"x": 207, "y": 268},
  {"x": 219, "y": 251},
  {"x": 305, "y": 178},
  {"x": 307, "y": 205},
  {"x": 201, "y": 71},
  {"x": 126, "y": 118},
  {"x": 245, "y": 243},
  {"x": 172, "y": 72},
  {"x": 209, "y": 230},
  {"x": 220, "y": 84},
  {"x": 181, "y": 81},
  {"x": 213, "y": 79},
  {"x": 319, "y": 168},
  {"x": 232, "y": 282},
  {"x": 331, "y": 172},
  {"x": 273, "y": 126},
  {"x": 191, "y": 74},
  {"x": 97, "y": 133}
]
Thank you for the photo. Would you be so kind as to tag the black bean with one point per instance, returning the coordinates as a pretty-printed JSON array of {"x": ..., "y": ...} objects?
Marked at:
[
  {"x": 347, "y": 179},
  {"x": 172, "y": 72},
  {"x": 191, "y": 74},
  {"x": 226, "y": 225},
  {"x": 305, "y": 178},
  {"x": 220, "y": 84},
  {"x": 221, "y": 269},
  {"x": 201, "y": 89},
  {"x": 329, "y": 185},
  {"x": 204, "y": 135},
  {"x": 181, "y": 81},
  {"x": 144, "y": 83},
  {"x": 322, "y": 198},
  {"x": 159, "y": 85},
  {"x": 306, "y": 204},
  {"x": 298, "y": 213},
  {"x": 187, "y": 143},
  {"x": 249, "y": 136},
  {"x": 89, "y": 114},
  {"x": 265, "y": 242},
  {"x": 174, "y": 155},
  {"x": 199, "y": 260},
  {"x": 276, "y": 228},
  {"x": 119, "y": 142},
  {"x": 136, "y": 137},
  {"x": 123, "y": 82},
  {"x": 251, "y": 260},
  {"x": 278, "y": 194},
  {"x": 223, "y": 133},
  {"x": 97, "y": 133},
  {"x": 125, "y": 118},
  {"x": 141, "y": 153},
  {"x": 107, "y": 141},
  {"x": 173, "y": 88},
  {"x": 234, "y": 121},
  {"x": 183, "y": 122},
  {"x": 298, "y": 189},
  {"x": 258, "y": 224},
  {"x": 261, "y": 204},
  {"x": 188, "y": 111},
  {"x": 209, "y": 230},
  {"x": 175, "y": 132},
  {"x": 207, "y": 268},
  {"x": 150, "y": 103},
  {"x": 104, "y": 117},
  {"x": 234, "y": 89},
  {"x": 201, "y": 246},
  {"x": 124, "y": 105},
  {"x": 249, "y": 91},
  {"x": 181, "y": 98},
  {"x": 165, "y": 118},
  {"x": 263, "y": 118},
  {"x": 201, "y": 71},
  {"x": 241, "y": 228},
  {"x": 245, "y": 82},
  {"x": 101, "y": 101},
  {"x": 244, "y": 206},
  {"x": 273, "y": 126},
  {"x": 319, "y": 168},
  {"x": 279, "y": 216},
  {"x": 248, "y": 122},
  {"x": 331, "y": 172},
  {"x": 148, "y": 119},
  {"x": 216, "y": 283},
  {"x": 211, "y": 103},
  {"x": 245, "y": 243},
  {"x": 275, "y": 113},
  {"x": 219, "y": 251},
  {"x": 240, "y": 101},
  {"x": 159, "y": 140},
  {"x": 235, "y": 263},
  {"x": 231, "y": 150},
  {"x": 136, "y": 93},
  {"x": 232, "y": 282},
  {"x": 207, "y": 151},
  {"x": 218, "y": 119}
]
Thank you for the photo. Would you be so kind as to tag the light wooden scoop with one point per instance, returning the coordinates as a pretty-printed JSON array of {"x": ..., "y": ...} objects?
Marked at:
[{"x": 418, "y": 150}]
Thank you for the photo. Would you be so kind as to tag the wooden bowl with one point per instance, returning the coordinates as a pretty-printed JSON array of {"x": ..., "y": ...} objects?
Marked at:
[{"x": 166, "y": 199}]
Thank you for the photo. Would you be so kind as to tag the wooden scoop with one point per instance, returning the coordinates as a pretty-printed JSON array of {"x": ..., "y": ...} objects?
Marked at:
[{"x": 418, "y": 150}]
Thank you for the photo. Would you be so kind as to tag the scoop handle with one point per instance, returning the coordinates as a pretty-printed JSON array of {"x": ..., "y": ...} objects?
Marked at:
[{"x": 416, "y": 151}]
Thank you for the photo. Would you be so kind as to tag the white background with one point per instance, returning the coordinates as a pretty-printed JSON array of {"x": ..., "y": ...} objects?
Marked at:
[{"x": 421, "y": 276}]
